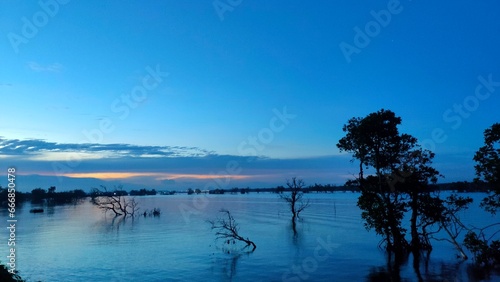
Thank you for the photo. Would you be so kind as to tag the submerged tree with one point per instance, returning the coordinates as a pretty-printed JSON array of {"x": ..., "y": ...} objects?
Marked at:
[
  {"x": 295, "y": 199},
  {"x": 445, "y": 214},
  {"x": 485, "y": 250},
  {"x": 480, "y": 241},
  {"x": 488, "y": 166},
  {"x": 399, "y": 184},
  {"x": 375, "y": 141},
  {"x": 426, "y": 209},
  {"x": 227, "y": 229},
  {"x": 115, "y": 202}
]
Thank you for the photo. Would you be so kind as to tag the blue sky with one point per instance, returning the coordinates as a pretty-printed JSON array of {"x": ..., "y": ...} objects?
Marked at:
[{"x": 197, "y": 80}]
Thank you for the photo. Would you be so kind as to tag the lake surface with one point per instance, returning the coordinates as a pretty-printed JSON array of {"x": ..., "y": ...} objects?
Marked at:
[{"x": 80, "y": 243}]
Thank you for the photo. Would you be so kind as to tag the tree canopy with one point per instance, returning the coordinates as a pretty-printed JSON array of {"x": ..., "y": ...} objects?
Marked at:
[{"x": 399, "y": 183}]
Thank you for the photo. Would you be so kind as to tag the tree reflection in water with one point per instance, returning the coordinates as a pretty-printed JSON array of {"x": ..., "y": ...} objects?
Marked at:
[
  {"x": 227, "y": 266},
  {"x": 424, "y": 270}
]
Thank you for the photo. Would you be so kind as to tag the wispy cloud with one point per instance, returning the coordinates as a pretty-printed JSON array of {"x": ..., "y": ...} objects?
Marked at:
[
  {"x": 37, "y": 149},
  {"x": 157, "y": 166},
  {"x": 155, "y": 175},
  {"x": 54, "y": 67},
  {"x": 172, "y": 164}
]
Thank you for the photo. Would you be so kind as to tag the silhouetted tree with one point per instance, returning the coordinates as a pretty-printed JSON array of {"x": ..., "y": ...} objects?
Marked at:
[
  {"x": 446, "y": 215},
  {"x": 52, "y": 190},
  {"x": 142, "y": 192},
  {"x": 38, "y": 195},
  {"x": 216, "y": 191},
  {"x": 485, "y": 249},
  {"x": 400, "y": 183},
  {"x": 488, "y": 166},
  {"x": 154, "y": 212},
  {"x": 67, "y": 197},
  {"x": 375, "y": 141},
  {"x": 295, "y": 199},
  {"x": 280, "y": 189},
  {"x": 412, "y": 175},
  {"x": 115, "y": 202},
  {"x": 227, "y": 229}
]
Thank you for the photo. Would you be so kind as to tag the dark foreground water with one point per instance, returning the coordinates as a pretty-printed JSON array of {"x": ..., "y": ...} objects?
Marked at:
[{"x": 80, "y": 243}]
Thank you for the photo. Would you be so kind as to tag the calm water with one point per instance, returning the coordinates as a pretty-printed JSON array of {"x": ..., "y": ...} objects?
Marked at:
[{"x": 79, "y": 243}]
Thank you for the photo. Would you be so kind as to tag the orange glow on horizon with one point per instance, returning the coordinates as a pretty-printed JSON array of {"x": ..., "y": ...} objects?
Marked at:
[{"x": 156, "y": 175}]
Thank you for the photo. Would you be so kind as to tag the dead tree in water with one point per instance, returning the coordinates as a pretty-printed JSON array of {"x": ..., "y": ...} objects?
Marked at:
[
  {"x": 227, "y": 229},
  {"x": 115, "y": 202},
  {"x": 295, "y": 198}
]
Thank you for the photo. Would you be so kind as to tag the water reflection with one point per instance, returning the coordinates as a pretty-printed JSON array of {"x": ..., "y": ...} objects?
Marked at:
[
  {"x": 227, "y": 266},
  {"x": 112, "y": 224},
  {"x": 4, "y": 210},
  {"x": 381, "y": 273},
  {"x": 296, "y": 232},
  {"x": 425, "y": 270},
  {"x": 50, "y": 210},
  {"x": 475, "y": 273},
  {"x": 391, "y": 271},
  {"x": 155, "y": 248}
]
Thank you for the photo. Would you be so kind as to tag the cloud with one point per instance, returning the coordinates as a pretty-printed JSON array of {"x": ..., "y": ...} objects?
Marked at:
[
  {"x": 54, "y": 67},
  {"x": 37, "y": 149},
  {"x": 175, "y": 167},
  {"x": 161, "y": 166}
]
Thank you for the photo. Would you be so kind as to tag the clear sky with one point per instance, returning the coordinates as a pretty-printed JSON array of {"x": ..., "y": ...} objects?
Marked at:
[{"x": 167, "y": 94}]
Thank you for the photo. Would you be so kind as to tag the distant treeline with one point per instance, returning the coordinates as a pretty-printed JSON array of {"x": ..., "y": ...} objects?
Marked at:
[
  {"x": 461, "y": 186},
  {"x": 50, "y": 196},
  {"x": 45, "y": 196}
]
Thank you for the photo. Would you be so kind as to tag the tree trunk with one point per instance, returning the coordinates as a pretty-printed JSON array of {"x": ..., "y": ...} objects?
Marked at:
[
  {"x": 415, "y": 240},
  {"x": 398, "y": 240},
  {"x": 455, "y": 243}
]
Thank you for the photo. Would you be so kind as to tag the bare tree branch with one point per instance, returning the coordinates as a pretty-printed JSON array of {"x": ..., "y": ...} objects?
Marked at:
[
  {"x": 228, "y": 229},
  {"x": 295, "y": 197},
  {"x": 115, "y": 201}
]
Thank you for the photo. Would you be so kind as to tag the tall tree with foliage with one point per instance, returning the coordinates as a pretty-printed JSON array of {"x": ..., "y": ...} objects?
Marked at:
[
  {"x": 416, "y": 171},
  {"x": 399, "y": 184},
  {"x": 375, "y": 141},
  {"x": 481, "y": 241},
  {"x": 487, "y": 166}
]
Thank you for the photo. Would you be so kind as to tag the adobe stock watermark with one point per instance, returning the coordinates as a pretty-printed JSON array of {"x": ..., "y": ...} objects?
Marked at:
[
  {"x": 363, "y": 37},
  {"x": 121, "y": 107},
  {"x": 461, "y": 111},
  {"x": 223, "y": 6},
  {"x": 11, "y": 221},
  {"x": 31, "y": 26},
  {"x": 322, "y": 251},
  {"x": 257, "y": 143},
  {"x": 249, "y": 147}
]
